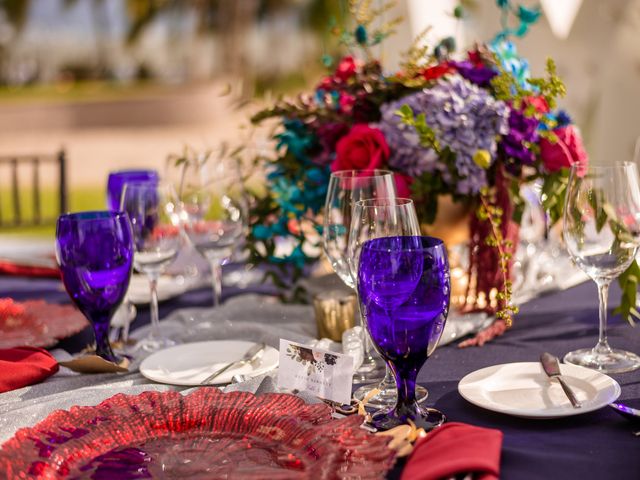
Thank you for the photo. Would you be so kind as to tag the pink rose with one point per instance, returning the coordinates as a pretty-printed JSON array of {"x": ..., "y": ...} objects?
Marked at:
[
  {"x": 363, "y": 148},
  {"x": 346, "y": 102},
  {"x": 566, "y": 151}
]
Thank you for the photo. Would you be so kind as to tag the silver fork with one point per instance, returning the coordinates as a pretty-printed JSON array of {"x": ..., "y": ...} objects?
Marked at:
[{"x": 250, "y": 356}]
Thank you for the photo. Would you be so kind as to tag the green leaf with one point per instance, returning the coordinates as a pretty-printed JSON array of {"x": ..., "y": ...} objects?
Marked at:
[
  {"x": 405, "y": 112},
  {"x": 628, "y": 282}
]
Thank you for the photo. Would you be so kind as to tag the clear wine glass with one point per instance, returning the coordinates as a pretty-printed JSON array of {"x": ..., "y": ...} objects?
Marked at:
[
  {"x": 404, "y": 287},
  {"x": 95, "y": 254},
  {"x": 601, "y": 228},
  {"x": 375, "y": 218},
  {"x": 214, "y": 211},
  {"x": 116, "y": 181},
  {"x": 345, "y": 188},
  {"x": 154, "y": 214}
]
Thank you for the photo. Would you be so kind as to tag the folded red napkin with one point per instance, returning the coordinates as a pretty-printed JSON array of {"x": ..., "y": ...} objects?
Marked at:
[
  {"x": 456, "y": 448},
  {"x": 22, "y": 366},
  {"x": 8, "y": 268}
]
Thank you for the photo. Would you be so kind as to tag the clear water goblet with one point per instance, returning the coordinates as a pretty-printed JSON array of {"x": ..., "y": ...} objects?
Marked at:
[
  {"x": 116, "y": 181},
  {"x": 214, "y": 211},
  {"x": 154, "y": 214},
  {"x": 345, "y": 188},
  {"x": 373, "y": 218},
  {"x": 601, "y": 230}
]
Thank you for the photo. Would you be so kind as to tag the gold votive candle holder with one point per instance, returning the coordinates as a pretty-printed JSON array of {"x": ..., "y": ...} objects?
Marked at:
[{"x": 335, "y": 312}]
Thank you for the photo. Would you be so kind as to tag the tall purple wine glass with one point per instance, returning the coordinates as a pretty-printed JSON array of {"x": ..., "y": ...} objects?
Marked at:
[
  {"x": 404, "y": 289},
  {"x": 117, "y": 180},
  {"x": 95, "y": 254}
]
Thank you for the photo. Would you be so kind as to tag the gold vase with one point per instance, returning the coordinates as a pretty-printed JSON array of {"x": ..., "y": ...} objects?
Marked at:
[{"x": 452, "y": 226}]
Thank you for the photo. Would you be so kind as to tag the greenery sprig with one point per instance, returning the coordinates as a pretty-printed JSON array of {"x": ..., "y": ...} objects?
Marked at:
[
  {"x": 488, "y": 212},
  {"x": 366, "y": 33},
  {"x": 551, "y": 87}
]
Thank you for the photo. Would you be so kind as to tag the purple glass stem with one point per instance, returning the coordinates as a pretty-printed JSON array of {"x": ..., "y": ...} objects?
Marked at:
[{"x": 100, "y": 324}]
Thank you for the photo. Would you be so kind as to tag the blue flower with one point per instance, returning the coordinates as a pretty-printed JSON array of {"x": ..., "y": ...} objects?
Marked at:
[
  {"x": 511, "y": 62},
  {"x": 563, "y": 118},
  {"x": 261, "y": 232},
  {"x": 361, "y": 35},
  {"x": 296, "y": 139}
]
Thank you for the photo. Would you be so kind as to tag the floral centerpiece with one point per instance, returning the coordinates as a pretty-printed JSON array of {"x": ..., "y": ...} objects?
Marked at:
[{"x": 473, "y": 127}]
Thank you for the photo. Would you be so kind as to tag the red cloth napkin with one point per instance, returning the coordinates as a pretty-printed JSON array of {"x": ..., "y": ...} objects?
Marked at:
[
  {"x": 8, "y": 268},
  {"x": 456, "y": 448},
  {"x": 22, "y": 366}
]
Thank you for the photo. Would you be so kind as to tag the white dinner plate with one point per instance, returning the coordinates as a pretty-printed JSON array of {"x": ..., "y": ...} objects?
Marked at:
[
  {"x": 524, "y": 390},
  {"x": 168, "y": 287},
  {"x": 190, "y": 363}
]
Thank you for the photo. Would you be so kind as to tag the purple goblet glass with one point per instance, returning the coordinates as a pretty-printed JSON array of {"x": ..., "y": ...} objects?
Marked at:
[
  {"x": 95, "y": 254},
  {"x": 117, "y": 181},
  {"x": 404, "y": 289}
]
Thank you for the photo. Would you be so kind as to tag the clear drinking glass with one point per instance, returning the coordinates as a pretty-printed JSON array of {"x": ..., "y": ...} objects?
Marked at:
[
  {"x": 116, "y": 181},
  {"x": 154, "y": 214},
  {"x": 214, "y": 211},
  {"x": 375, "y": 218},
  {"x": 601, "y": 229},
  {"x": 345, "y": 188}
]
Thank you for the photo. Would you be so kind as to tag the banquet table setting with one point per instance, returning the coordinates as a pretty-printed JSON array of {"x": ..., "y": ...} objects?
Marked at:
[
  {"x": 531, "y": 447},
  {"x": 418, "y": 275}
]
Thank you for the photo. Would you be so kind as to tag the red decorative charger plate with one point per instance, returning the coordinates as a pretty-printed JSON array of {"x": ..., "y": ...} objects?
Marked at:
[
  {"x": 37, "y": 323},
  {"x": 204, "y": 435}
]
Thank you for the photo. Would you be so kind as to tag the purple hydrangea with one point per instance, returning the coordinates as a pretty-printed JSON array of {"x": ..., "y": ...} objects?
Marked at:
[
  {"x": 406, "y": 153},
  {"x": 465, "y": 118}
]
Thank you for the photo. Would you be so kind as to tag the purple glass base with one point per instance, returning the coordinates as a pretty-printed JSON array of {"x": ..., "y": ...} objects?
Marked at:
[{"x": 423, "y": 417}]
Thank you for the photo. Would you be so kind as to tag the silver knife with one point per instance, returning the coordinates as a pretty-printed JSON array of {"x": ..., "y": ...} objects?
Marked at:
[{"x": 552, "y": 369}]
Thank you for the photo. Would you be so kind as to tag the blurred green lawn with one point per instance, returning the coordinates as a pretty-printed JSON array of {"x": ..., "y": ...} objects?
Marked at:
[
  {"x": 79, "y": 92},
  {"x": 84, "y": 198}
]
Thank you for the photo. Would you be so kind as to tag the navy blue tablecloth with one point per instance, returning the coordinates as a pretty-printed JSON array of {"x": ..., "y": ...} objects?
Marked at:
[{"x": 598, "y": 445}]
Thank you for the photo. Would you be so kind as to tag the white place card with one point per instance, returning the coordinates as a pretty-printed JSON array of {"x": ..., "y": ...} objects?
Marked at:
[{"x": 323, "y": 373}]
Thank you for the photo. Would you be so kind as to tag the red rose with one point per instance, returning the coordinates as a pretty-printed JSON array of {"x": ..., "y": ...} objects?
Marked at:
[
  {"x": 433, "y": 73},
  {"x": 403, "y": 185},
  {"x": 326, "y": 83},
  {"x": 566, "y": 151},
  {"x": 346, "y": 68},
  {"x": 475, "y": 57},
  {"x": 363, "y": 148}
]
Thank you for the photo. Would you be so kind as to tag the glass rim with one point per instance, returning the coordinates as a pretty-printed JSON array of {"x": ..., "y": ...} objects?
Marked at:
[
  {"x": 152, "y": 183},
  {"x": 427, "y": 243},
  {"x": 118, "y": 173},
  {"x": 92, "y": 215},
  {"x": 391, "y": 201},
  {"x": 376, "y": 172},
  {"x": 615, "y": 166}
]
